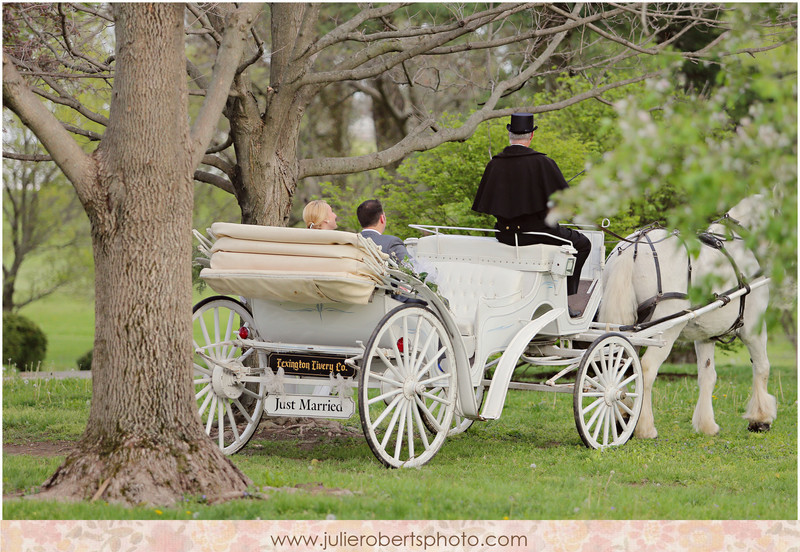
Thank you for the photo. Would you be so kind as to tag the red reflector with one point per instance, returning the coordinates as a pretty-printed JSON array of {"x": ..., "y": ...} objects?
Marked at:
[
  {"x": 400, "y": 344},
  {"x": 244, "y": 333}
]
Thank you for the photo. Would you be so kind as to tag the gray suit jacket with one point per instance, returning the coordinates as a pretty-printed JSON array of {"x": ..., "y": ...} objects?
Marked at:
[{"x": 391, "y": 245}]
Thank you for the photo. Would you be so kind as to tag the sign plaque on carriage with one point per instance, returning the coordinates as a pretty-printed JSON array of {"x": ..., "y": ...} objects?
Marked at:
[
  {"x": 313, "y": 406},
  {"x": 310, "y": 365}
]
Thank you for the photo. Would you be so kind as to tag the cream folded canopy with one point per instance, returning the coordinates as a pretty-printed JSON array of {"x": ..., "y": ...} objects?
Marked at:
[{"x": 293, "y": 264}]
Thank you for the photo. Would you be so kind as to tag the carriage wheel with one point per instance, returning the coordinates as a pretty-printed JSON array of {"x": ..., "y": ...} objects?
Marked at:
[
  {"x": 229, "y": 408},
  {"x": 607, "y": 398},
  {"x": 407, "y": 384}
]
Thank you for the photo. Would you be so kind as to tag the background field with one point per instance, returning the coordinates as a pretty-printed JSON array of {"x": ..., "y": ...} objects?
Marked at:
[{"x": 529, "y": 464}]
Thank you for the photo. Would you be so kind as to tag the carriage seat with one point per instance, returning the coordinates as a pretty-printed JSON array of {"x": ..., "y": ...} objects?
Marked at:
[
  {"x": 489, "y": 251},
  {"x": 465, "y": 285},
  {"x": 293, "y": 264}
]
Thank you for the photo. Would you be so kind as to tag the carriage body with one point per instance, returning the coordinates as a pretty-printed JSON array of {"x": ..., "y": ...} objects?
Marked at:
[{"x": 331, "y": 327}]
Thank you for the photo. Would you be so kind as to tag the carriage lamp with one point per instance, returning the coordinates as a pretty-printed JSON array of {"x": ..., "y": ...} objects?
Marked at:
[
  {"x": 244, "y": 333},
  {"x": 400, "y": 344}
]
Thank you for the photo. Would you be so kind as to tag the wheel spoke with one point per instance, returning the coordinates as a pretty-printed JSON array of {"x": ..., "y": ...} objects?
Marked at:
[
  {"x": 221, "y": 425},
  {"x": 628, "y": 380},
  {"x": 434, "y": 379},
  {"x": 240, "y": 407},
  {"x": 600, "y": 416},
  {"x": 410, "y": 429},
  {"x": 211, "y": 411},
  {"x": 384, "y": 379},
  {"x": 390, "y": 427},
  {"x": 427, "y": 413},
  {"x": 251, "y": 394},
  {"x": 595, "y": 384},
  {"x": 605, "y": 353},
  {"x": 422, "y": 354},
  {"x": 416, "y": 352},
  {"x": 621, "y": 419},
  {"x": 232, "y": 421},
  {"x": 398, "y": 445},
  {"x": 606, "y": 424},
  {"x": 597, "y": 371},
  {"x": 391, "y": 406},
  {"x": 206, "y": 402},
  {"x": 592, "y": 406},
  {"x": 420, "y": 426},
  {"x": 386, "y": 395},
  {"x": 397, "y": 354},
  {"x": 625, "y": 407},
  {"x": 389, "y": 364},
  {"x": 205, "y": 371},
  {"x": 227, "y": 336},
  {"x": 594, "y": 417},
  {"x": 431, "y": 362},
  {"x": 217, "y": 349},
  {"x": 203, "y": 391}
]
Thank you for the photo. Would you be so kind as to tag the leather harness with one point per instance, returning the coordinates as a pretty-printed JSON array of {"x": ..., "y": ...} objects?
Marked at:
[{"x": 645, "y": 310}]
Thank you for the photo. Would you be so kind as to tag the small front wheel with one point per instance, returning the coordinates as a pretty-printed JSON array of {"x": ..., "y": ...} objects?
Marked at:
[
  {"x": 607, "y": 398},
  {"x": 407, "y": 387}
]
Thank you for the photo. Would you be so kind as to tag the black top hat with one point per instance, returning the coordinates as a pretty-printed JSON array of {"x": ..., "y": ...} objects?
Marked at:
[{"x": 521, "y": 123}]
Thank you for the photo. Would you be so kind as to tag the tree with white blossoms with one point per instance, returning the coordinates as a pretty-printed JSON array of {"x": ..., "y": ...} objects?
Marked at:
[{"x": 715, "y": 150}]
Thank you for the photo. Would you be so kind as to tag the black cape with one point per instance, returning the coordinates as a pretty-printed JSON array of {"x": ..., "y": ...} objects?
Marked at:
[{"x": 517, "y": 181}]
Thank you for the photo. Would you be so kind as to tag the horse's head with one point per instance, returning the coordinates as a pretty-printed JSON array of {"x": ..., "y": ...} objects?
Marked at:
[{"x": 751, "y": 212}]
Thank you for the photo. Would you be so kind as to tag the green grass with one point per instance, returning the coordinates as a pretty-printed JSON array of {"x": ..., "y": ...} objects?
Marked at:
[{"x": 529, "y": 464}]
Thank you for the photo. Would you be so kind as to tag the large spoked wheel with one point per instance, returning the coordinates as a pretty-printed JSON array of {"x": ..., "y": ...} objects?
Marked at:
[
  {"x": 407, "y": 387},
  {"x": 229, "y": 407},
  {"x": 607, "y": 398}
]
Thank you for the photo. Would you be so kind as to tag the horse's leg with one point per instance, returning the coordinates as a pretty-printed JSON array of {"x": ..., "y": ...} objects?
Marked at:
[
  {"x": 703, "y": 418},
  {"x": 652, "y": 360},
  {"x": 762, "y": 408}
]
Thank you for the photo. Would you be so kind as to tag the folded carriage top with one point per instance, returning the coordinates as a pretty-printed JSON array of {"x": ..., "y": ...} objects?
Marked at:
[{"x": 293, "y": 264}]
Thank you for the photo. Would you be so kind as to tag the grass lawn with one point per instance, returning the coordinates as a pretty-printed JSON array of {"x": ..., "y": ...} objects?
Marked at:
[{"x": 529, "y": 464}]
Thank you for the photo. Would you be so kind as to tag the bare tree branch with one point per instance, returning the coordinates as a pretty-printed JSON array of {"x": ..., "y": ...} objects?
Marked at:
[
  {"x": 218, "y": 163},
  {"x": 63, "y": 98},
  {"x": 214, "y": 180},
  {"x": 221, "y": 147},
  {"x": 356, "y": 67},
  {"x": 419, "y": 142},
  {"x": 66, "y": 152},
  {"x": 26, "y": 156},
  {"x": 227, "y": 62}
]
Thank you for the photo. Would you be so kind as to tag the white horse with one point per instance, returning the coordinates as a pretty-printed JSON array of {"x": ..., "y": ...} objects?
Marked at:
[{"x": 630, "y": 280}]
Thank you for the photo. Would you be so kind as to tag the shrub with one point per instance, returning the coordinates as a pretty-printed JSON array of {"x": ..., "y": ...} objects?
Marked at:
[
  {"x": 85, "y": 361},
  {"x": 24, "y": 343}
]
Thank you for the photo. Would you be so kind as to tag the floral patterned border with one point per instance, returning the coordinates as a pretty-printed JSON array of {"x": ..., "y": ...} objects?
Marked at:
[{"x": 433, "y": 536}]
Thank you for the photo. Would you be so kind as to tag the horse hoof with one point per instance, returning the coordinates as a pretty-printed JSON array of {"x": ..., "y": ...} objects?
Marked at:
[{"x": 758, "y": 427}]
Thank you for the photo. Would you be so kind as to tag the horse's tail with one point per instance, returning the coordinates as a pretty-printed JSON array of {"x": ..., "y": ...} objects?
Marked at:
[{"x": 619, "y": 297}]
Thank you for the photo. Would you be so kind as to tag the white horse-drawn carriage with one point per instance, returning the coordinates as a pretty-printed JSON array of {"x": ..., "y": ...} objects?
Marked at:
[{"x": 326, "y": 325}]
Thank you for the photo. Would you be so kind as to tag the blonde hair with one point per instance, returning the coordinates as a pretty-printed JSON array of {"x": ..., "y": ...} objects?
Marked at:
[{"x": 315, "y": 212}]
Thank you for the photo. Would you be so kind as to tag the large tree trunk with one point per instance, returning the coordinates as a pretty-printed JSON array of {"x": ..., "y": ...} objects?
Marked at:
[
  {"x": 149, "y": 446},
  {"x": 266, "y": 144}
]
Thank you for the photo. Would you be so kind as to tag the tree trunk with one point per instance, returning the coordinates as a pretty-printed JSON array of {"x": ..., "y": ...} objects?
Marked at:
[
  {"x": 266, "y": 144},
  {"x": 150, "y": 446}
]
